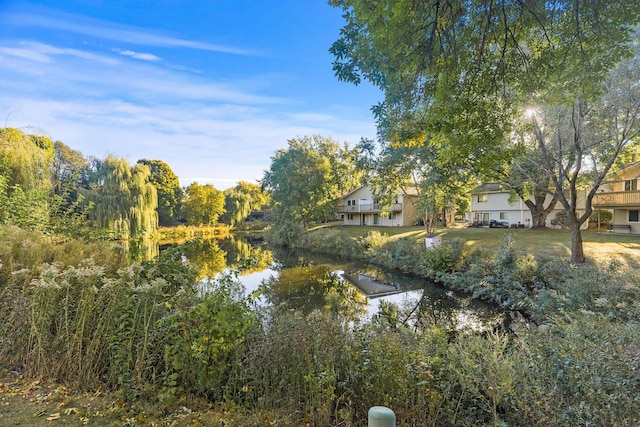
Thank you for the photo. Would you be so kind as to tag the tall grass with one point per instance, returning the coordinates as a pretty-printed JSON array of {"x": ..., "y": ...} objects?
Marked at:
[{"x": 144, "y": 331}]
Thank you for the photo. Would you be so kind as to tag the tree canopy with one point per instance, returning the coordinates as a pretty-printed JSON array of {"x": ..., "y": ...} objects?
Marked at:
[
  {"x": 203, "y": 204},
  {"x": 26, "y": 160},
  {"x": 241, "y": 200},
  {"x": 169, "y": 192},
  {"x": 124, "y": 199},
  {"x": 460, "y": 69},
  {"x": 306, "y": 178}
]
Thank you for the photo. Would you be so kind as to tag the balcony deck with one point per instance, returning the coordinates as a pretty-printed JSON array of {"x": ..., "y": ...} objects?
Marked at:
[
  {"x": 616, "y": 199},
  {"x": 369, "y": 208}
]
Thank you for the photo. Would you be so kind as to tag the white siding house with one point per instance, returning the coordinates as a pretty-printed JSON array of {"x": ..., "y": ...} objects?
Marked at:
[{"x": 491, "y": 202}]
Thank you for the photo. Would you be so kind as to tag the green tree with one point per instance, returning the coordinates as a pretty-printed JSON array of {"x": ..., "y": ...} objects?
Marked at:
[
  {"x": 577, "y": 145},
  {"x": 414, "y": 165},
  {"x": 203, "y": 204},
  {"x": 305, "y": 179},
  {"x": 444, "y": 56},
  {"x": 169, "y": 192},
  {"x": 241, "y": 200},
  {"x": 459, "y": 72},
  {"x": 259, "y": 198},
  {"x": 125, "y": 201},
  {"x": 26, "y": 160},
  {"x": 527, "y": 182},
  {"x": 237, "y": 206},
  {"x": 25, "y": 178},
  {"x": 70, "y": 169},
  {"x": 28, "y": 210}
]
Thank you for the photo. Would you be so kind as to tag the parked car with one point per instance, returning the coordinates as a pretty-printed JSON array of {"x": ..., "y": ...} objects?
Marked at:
[{"x": 498, "y": 224}]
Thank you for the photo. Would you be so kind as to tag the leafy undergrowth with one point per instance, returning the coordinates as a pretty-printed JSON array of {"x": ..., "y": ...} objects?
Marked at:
[
  {"x": 26, "y": 402},
  {"x": 33, "y": 403}
]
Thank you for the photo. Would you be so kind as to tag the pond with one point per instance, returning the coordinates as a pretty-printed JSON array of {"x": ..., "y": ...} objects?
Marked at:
[{"x": 305, "y": 281}]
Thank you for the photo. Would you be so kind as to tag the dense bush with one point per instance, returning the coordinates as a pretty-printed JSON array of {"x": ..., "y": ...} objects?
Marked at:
[{"x": 139, "y": 327}]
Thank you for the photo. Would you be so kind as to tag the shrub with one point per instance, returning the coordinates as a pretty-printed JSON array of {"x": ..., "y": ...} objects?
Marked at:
[
  {"x": 444, "y": 258},
  {"x": 203, "y": 333}
]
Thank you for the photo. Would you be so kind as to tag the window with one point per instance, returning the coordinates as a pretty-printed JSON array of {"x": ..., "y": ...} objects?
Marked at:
[
  {"x": 349, "y": 216},
  {"x": 503, "y": 215},
  {"x": 633, "y": 216},
  {"x": 393, "y": 216},
  {"x": 482, "y": 198},
  {"x": 631, "y": 185}
]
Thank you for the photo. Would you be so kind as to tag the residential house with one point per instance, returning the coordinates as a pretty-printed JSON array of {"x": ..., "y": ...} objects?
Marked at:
[
  {"x": 359, "y": 207},
  {"x": 493, "y": 202},
  {"x": 621, "y": 195}
]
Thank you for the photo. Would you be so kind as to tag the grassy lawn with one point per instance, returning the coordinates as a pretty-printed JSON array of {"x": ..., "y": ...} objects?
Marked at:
[{"x": 599, "y": 247}]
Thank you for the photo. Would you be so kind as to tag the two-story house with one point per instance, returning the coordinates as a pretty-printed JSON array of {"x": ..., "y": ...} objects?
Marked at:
[
  {"x": 359, "y": 207},
  {"x": 492, "y": 202},
  {"x": 621, "y": 194}
]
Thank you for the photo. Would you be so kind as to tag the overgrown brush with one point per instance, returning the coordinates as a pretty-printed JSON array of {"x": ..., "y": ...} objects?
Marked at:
[
  {"x": 145, "y": 331},
  {"x": 131, "y": 330}
]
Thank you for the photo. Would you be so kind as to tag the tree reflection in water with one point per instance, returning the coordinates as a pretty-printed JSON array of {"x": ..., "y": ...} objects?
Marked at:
[
  {"x": 210, "y": 257},
  {"x": 306, "y": 282},
  {"x": 315, "y": 287}
]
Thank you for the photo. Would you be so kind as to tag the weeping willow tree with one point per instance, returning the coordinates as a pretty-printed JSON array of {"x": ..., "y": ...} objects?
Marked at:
[
  {"x": 25, "y": 178},
  {"x": 125, "y": 202},
  {"x": 26, "y": 160}
]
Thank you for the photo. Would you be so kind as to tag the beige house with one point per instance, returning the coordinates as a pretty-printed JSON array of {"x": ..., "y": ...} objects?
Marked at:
[
  {"x": 359, "y": 207},
  {"x": 620, "y": 194}
]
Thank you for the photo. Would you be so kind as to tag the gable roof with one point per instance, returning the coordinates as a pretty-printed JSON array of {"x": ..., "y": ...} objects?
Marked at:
[
  {"x": 410, "y": 192},
  {"x": 487, "y": 188},
  {"x": 627, "y": 172}
]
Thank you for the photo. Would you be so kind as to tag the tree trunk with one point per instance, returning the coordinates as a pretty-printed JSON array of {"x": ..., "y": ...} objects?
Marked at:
[
  {"x": 577, "y": 251},
  {"x": 539, "y": 212},
  {"x": 538, "y": 216}
]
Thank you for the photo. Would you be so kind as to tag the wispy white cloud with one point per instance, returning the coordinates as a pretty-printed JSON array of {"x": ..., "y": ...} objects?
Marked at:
[
  {"x": 114, "y": 31},
  {"x": 138, "y": 55},
  {"x": 207, "y": 144},
  {"x": 25, "y": 53},
  {"x": 100, "y": 75},
  {"x": 109, "y": 98}
]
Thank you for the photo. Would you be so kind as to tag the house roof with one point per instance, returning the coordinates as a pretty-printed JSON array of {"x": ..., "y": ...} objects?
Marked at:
[
  {"x": 350, "y": 192},
  {"x": 409, "y": 192},
  {"x": 627, "y": 172},
  {"x": 487, "y": 188}
]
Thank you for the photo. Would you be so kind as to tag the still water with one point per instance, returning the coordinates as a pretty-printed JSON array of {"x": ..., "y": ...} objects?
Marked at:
[{"x": 306, "y": 281}]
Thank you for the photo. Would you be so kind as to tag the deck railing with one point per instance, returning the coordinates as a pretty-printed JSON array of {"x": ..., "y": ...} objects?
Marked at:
[
  {"x": 616, "y": 199},
  {"x": 367, "y": 208}
]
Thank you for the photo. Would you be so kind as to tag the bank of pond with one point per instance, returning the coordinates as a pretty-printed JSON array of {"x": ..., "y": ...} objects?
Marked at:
[
  {"x": 254, "y": 335},
  {"x": 306, "y": 281}
]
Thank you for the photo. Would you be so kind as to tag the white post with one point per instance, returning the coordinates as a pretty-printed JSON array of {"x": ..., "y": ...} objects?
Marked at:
[{"x": 380, "y": 416}]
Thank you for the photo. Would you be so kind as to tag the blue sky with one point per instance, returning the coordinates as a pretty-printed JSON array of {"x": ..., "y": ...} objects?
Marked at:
[{"x": 213, "y": 88}]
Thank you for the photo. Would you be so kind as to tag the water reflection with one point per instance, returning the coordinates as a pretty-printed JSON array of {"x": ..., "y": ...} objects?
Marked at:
[
  {"x": 211, "y": 257},
  {"x": 303, "y": 281},
  {"x": 314, "y": 287}
]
